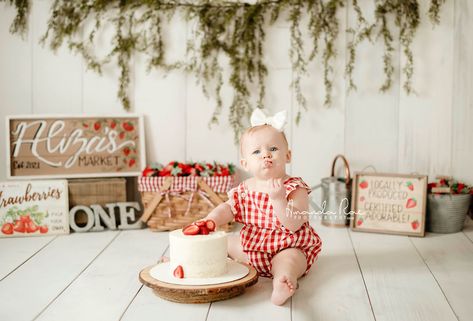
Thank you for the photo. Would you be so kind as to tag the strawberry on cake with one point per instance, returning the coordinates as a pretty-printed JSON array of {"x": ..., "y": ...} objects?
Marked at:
[{"x": 198, "y": 251}]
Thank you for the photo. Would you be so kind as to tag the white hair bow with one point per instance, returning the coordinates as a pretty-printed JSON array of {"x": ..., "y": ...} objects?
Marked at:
[{"x": 258, "y": 117}]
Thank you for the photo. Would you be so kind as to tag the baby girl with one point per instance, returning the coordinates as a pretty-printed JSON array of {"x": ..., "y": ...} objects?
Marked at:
[{"x": 276, "y": 238}]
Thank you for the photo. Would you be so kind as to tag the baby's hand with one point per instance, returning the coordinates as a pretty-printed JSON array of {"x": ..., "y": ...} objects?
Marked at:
[{"x": 276, "y": 189}]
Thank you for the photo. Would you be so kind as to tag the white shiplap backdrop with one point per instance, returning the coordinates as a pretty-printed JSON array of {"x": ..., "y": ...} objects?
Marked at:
[{"x": 428, "y": 133}]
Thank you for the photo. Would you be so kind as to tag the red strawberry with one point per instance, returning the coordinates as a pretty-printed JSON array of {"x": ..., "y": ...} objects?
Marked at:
[
  {"x": 204, "y": 230},
  {"x": 121, "y": 135},
  {"x": 410, "y": 185},
  {"x": 131, "y": 162},
  {"x": 126, "y": 151},
  {"x": 210, "y": 225},
  {"x": 128, "y": 126},
  {"x": 415, "y": 224},
  {"x": 430, "y": 185},
  {"x": 359, "y": 222},
  {"x": 25, "y": 218},
  {"x": 113, "y": 124},
  {"x": 200, "y": 223},
  {"x": 164, "y": 172},
  {"x": 191, "y": 230},
  {"x": 31, "y": 227},
  {"x": 43, "y": 229},
  {"x": 186, "y": 169},
  {"x": 178, "y": 272},
  {"x": 97, "y": 126},
  {"x": 7, "y": 228},
  {"x": 411, "y": 202},
  {"x": 364, "y": 184},
  {"x": 148, "y": 171},
  {"x": 19, "y": 227}
]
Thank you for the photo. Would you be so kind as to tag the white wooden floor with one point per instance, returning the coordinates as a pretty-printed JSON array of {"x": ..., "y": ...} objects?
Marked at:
[{"x": 358, "y": 276}]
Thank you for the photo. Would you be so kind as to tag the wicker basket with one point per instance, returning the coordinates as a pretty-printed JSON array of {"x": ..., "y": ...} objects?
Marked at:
[
  {"x": 446, "y": 213},
  {"x": 173, "y": 202}
]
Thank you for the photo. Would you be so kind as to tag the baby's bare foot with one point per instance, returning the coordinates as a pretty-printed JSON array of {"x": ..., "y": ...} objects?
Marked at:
[
  {"x": 163, "y": 259},
  {"x": 283, "y": 289}
]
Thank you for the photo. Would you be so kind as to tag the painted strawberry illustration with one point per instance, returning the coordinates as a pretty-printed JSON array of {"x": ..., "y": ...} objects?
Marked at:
[
  {"x": 7, "y": 228},
  {"x": 411, "y": 202},
  {"x": 121, "y": 135},
  {"x": 415, "y": 224},
  {"x": 410, "y": 186},
  {"x": 359, "y": 222},
  {"x": 43, "y": 229},
  {"x": 113, "y": 124},
  {"x": 127, "y": 126},
  {"x": 19, "y": 226},
  {"x": 126, "y": 151},
  {"x": 363, "y": 184},
  {"x": 131, "y": 162},
  {"x": 31, "y": 227},
  {"x": 97, "y": 126}
]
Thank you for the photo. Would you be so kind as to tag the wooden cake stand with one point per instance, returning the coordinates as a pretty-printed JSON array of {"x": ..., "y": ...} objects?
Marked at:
[{"x": 198, "y": 293}]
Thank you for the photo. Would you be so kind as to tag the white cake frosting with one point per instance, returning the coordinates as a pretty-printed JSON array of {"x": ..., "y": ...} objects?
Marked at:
[{"x": 201, "y": 256}]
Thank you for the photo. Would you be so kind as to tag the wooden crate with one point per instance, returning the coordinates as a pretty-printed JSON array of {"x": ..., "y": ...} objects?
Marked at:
[{"x": 96, "y": 191}]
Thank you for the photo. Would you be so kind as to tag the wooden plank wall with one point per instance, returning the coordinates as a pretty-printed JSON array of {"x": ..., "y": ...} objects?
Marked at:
[{"x": 427, "y": 133}]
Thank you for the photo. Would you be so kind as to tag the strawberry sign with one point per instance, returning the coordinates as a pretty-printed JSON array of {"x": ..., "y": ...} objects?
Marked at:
[
  {"x": 389, "y": 203},
  {"x": 34, "y": 208},
  {"x": 74, "y": 146}
]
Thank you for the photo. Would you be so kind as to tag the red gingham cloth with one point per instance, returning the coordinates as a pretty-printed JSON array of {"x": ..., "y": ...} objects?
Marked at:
[
  {"x": 262, "y": 235},
  {"x": 219, "y": 184}
]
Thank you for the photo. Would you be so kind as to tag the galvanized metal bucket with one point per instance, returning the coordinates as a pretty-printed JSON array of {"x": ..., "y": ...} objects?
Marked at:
[
  {"x": 446, "y": 213},
  {"x": 336, "y": 195}
]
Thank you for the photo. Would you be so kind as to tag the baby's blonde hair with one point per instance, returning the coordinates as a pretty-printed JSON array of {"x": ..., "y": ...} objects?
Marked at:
[{"x": 254, "y": 129}]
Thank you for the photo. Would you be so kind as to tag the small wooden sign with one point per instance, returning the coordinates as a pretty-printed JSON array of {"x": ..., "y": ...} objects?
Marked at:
[
  {"x": 98, "y": 217},
  {"x": 34, "y": 208},
  {"x": 74, "y": 146},
  {"x": 389, "y": 203}
]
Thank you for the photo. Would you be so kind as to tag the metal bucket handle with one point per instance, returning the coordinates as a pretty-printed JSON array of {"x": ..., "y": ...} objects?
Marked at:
[{"x": 347, "y": 169}]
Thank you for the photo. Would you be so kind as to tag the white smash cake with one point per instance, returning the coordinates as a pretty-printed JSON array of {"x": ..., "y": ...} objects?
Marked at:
[{"x": 197, "y": 255}]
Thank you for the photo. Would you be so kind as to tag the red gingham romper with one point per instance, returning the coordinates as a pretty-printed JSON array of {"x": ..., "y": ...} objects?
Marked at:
[{"x": 262, "y": 235}]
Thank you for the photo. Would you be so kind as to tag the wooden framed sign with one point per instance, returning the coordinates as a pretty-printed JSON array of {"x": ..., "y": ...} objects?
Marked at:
[
  {"x": 74, "y": 146},
  {"x": 34, "y": 208},
  {"x": 389, "y": 203}
]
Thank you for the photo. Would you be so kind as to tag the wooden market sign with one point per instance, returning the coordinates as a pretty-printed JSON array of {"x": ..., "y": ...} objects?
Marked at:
[
  {"x": 389, "y": 203},
  {"x": 34, "y": 208},
  {"x": 74, "y": 146}
]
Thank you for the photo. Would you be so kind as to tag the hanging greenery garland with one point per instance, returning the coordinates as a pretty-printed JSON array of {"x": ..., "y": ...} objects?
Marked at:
[{"x": 235, "y": 29}]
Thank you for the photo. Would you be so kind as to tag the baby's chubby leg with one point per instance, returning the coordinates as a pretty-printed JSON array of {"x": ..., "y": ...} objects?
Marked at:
[
  {"x": 235, "y": 250},
  {"x": 287, "y": 266}
]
